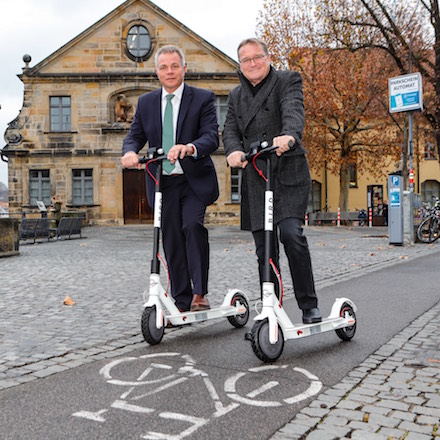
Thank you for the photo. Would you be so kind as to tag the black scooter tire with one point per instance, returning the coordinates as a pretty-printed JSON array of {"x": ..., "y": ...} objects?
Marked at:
[
  {"x": 151, "y": 333},
  {"x": 347, "y": 333},
  {"x": 239, "y": 321},
  {"x": 261, "y": 345}
]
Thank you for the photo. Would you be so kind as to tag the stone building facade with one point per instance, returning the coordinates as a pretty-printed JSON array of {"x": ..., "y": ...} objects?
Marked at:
[{"x": 77, "y": 107}]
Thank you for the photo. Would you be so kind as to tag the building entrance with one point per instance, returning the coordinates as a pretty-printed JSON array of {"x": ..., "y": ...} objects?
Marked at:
[{"x": 136, "y": 207}]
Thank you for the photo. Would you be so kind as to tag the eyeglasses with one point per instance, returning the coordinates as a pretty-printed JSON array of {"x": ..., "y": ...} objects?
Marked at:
[{"x": 255, "y": 59}]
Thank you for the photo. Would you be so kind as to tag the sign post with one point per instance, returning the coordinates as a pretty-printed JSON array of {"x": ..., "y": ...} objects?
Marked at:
[{"x": 406, "y": 95}]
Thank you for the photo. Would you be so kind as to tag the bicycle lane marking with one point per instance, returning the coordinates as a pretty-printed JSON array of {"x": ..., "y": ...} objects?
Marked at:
[
  {"x": 169, "y": 378},
  {"x": 164, "y": 383},
  {"x": 230, "y": 388}
]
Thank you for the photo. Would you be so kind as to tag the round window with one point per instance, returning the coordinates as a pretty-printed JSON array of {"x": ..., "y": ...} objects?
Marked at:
[{"x": 138, "y": 42}]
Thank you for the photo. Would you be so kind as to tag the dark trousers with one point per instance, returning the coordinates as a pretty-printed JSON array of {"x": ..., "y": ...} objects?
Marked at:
[
  {"x": 298, "y": 256},
  {"x": 185, "y": 240}
]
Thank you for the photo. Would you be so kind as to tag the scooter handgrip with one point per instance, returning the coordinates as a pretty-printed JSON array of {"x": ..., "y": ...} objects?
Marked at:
[
  {"x": 243, "y": 158},
  {"x": 291, "y": 144}
]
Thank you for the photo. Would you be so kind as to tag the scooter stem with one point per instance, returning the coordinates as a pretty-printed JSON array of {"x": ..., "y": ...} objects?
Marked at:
[{"x": 155, "y": 264}]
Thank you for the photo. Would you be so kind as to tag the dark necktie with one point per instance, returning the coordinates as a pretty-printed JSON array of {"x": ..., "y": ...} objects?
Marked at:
[{"x": 168, "y": 133}]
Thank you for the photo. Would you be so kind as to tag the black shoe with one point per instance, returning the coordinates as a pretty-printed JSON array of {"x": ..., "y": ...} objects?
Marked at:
[{"x": 310, "y": 316}]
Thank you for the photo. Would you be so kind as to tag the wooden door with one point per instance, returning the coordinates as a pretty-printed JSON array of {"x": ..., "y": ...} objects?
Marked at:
[{"x": 136, "y": 207}]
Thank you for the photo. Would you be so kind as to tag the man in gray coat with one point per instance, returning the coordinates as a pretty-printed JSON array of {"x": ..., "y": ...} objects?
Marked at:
[{"x": 268, "y": 106}]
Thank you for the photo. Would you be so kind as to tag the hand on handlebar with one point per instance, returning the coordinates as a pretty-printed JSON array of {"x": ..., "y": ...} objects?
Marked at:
[
  {"x": 235, "y": 160},
  {"x": 179, "y": 151},
  {"x": 130, "y": 159},
  {"x": 284, "y": 144}
]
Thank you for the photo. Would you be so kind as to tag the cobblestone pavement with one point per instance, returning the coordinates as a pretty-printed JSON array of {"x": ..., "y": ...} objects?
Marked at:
[
  {"x": 393, "y": 394},
  {"x": 106, "y": 273}
]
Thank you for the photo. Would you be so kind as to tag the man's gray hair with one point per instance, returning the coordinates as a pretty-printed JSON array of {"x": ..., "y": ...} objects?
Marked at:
[
  {"x": 256, "y": 41},
  {"x": 169, "y": 49}
]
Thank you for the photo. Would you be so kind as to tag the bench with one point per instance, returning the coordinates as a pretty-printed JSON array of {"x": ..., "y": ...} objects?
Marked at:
[
  {"x": 34, "y": 228},
  {"x": 67, "y": 227},
  {"x": 317, "y": 218}
]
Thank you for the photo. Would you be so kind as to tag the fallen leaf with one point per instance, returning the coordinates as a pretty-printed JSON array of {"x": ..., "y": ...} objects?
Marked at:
[
  {"x": 372, "y": 254},
  {"x": 342, "y": 247},
  {"x": 69, "y": 301},
  {"x": 403, "y": 257}
]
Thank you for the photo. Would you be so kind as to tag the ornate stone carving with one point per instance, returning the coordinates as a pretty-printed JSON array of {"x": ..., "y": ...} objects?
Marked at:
[{"x": 124, "y": 110}]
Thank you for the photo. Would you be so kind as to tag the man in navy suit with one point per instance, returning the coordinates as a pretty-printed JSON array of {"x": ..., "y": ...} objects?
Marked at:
[{"x": 191, "y": 184}]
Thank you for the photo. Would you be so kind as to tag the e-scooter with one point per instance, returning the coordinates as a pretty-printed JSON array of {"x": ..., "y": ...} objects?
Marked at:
[
  {"x": 160, "y": 309},
  {"x": 272, "y": 325}
]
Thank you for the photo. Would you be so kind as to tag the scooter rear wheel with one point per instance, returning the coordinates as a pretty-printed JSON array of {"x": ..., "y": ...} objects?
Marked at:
[
  {"x": 347, "y": 333},
  {"x": 151, "y": 333},
  {"x": 239, "y": 321},
  {"x": 261, "y": 345}
]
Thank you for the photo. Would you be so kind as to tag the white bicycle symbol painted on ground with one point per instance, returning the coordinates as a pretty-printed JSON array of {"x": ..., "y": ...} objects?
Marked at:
[{"x": 161, "y": 372}]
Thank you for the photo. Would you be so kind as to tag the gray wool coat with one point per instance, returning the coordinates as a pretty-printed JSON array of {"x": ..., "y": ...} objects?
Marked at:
[{"x": 277, "y": 109}]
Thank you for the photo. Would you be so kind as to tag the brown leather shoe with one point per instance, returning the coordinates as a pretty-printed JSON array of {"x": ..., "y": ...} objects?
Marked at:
[{"x": 199, "y": 303}]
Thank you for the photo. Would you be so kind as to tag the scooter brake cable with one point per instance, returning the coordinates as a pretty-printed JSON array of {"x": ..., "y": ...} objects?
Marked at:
[
  {"x": 148, "y": 171},
  {"x": 280, "y": 281},
  {"x": 166, "y": 268},
  {"x": 260, "y": 172}
]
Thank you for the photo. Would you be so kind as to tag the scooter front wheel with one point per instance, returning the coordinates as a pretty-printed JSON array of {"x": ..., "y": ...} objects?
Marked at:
[
  {"x": 241, "y": 320},
  {"x": 347, "y": 333},
  {"x": 151, "y": 333},
  {"x": 261, "y": 345}
]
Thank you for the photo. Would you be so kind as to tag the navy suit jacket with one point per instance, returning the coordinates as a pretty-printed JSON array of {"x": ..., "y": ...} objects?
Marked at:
[{"x": 196, "y": 124}]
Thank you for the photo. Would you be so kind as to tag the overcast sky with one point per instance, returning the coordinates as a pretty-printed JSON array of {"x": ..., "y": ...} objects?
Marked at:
[{"x": 40, "y": 27}]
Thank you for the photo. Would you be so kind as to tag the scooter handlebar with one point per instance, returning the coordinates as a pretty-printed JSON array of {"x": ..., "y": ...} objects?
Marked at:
[
  {"x": 153, "y": 153},
  {"x": 262, "y": 148}
]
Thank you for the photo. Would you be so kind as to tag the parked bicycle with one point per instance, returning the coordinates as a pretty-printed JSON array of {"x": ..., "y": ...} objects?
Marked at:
[{"x": 428, "y": 230}]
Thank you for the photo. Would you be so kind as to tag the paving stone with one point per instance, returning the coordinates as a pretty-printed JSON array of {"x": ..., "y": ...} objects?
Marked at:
[
  {"x": 295, "y": 429},
  {"x": 415, "y": 427},
  {"x": 433, "y": 412},
  {"x": 389, "y": 422},
  {"x": 417, "y": 436},
  {"x": 393, "y": 433},
  {"x": 392, "y": 404},
  {"x": 362, "y": 435},
  {"x": 403, "y": 415}
]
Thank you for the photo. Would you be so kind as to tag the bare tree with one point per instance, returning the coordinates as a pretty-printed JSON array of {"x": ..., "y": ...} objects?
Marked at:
[
  {"x": 409, "y": 31},
  {"x": 346, "y": 117}
]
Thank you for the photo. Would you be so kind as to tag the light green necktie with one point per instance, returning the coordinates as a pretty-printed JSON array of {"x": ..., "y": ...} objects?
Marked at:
[{"x": 168, "y": 133}]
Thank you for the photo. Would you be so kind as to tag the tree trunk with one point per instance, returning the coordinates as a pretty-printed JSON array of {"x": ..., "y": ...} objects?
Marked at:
[{"x": 344, "y": 186}]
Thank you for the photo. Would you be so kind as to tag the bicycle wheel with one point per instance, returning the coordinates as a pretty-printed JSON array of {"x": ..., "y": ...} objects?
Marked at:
[{"x": 428, "y": 232}]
